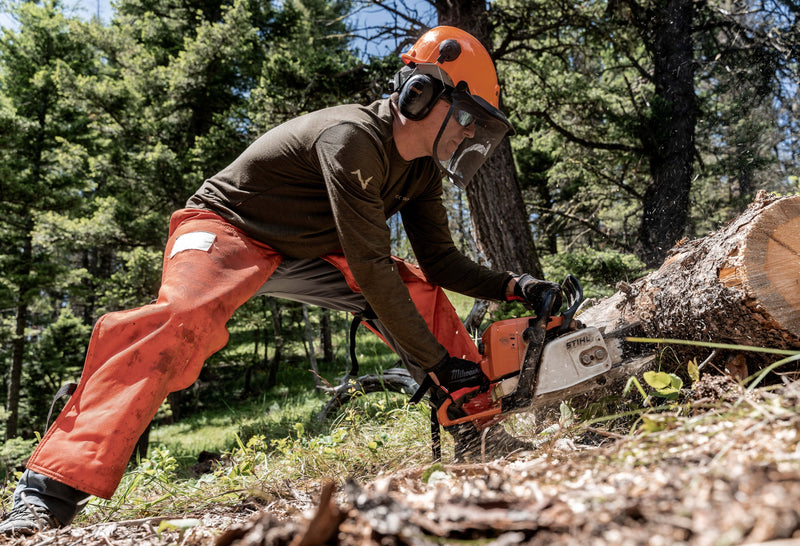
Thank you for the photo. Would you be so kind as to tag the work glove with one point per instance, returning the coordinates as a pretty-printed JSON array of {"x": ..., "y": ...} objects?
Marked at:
[
  {"x": 452, "y": 374},
  {"x": 532, "y": 291}
]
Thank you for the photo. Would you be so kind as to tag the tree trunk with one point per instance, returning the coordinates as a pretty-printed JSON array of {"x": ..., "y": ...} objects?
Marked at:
[
  {"x": 142, "y": 445},
  {"x": 258, "y": 335},
  {"x": 19, "y": 339},
  {"x": 277, "y": 327},
  {"x": 175, "y": 399},
  {"x": 326, "y": 335},
  {"x": 501, "y": 223},
  {"x": 15, "y": 374},
  {"x": 468, "y": 15},
  {"x": 309, "y": 345},
  {"x": 738, "y": 285},
  {"x": 669, "y": 136}
]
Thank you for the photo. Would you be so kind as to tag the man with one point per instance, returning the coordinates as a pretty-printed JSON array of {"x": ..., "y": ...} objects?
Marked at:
[{"x": 301, "y": 214}]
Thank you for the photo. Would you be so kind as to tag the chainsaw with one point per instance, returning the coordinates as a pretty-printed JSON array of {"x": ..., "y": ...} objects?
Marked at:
[{"x": 538, "y": 360}]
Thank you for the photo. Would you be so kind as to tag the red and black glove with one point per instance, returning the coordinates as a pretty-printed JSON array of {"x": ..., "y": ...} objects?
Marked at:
[
  {"x": 452, "y": 374},
  {"x": 532, "y": 291}
]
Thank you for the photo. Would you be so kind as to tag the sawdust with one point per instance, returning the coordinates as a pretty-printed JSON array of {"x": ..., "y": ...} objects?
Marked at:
[{"x": 727, "y": 472}]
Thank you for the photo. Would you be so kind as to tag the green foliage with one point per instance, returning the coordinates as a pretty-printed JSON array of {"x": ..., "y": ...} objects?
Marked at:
[
  {"x": 44, "y": 150},
  {"x": 13, "y": 454},
  {"x": 309, "y": 64},
  {"x": 433, "y": 472},
  {"x": 360, "y": 443},
  {"x": 598, "y": 270},
  {"x": 138, "y": 113},
  {"x": 135, "y": 282},
  {"x": 579, "y": 96},
  {"x": 589, "y": 91},
  {"x": 55, "y": 358},
  {"x": 666, "y": 385}
]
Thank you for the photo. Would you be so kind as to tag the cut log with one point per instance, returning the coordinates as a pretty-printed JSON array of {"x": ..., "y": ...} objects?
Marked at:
[{"x": 738, "y": 285}]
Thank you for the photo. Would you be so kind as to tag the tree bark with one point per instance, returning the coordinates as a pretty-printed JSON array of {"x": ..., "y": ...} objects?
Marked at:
[
  {"x": 19, "y": 340},
  {"x": 141, "y": 447},
  {"x": 326, "y": 334},
  {"x": 668, "y": 135},
  {"x": 277, "y": 328},
  {"x": 738, "y": 285},
  {"x": 15, "y": 373},
  {"x": 499, "y": 218},
  {"x": 309, "y": 345}
]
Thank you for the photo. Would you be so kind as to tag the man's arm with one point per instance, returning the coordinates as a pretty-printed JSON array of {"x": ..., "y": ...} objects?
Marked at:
[
  {"x": 425, "y": 221},
  {"x": 353, "y": 166}
]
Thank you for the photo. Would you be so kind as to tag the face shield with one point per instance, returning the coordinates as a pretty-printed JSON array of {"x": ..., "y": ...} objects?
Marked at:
[{"x": 482, "y": 126}]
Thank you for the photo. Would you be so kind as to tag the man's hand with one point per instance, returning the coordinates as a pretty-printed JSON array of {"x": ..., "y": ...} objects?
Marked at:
[
  {"x": 453, "y": 374},
  {"x": 532, "y": 291}
]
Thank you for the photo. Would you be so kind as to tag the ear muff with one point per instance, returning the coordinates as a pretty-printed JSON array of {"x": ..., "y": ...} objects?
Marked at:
[{"x": 418, "y": 96}]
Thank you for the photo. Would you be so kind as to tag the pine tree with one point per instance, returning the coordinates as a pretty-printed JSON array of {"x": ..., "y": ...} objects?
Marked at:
[{"x": 43, "y": 150}]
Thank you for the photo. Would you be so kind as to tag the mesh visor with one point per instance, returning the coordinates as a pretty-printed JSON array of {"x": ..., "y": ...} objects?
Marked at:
[{"x": 490, "y": 126}]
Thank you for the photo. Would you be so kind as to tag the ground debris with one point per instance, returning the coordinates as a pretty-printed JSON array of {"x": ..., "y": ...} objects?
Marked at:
[
  {"x": 710, "y": 479},
  {"x": 727, "y": 475}
]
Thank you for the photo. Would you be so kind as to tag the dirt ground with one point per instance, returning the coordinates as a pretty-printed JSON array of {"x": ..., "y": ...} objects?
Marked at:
[{"x": 725, "y": 472}]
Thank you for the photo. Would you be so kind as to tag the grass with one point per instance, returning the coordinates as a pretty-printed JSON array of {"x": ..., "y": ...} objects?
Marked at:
[
  {"x": 273, "y": 437},
  {"x": 277, "y": 436},
  {"x": 373, "y": 434}
]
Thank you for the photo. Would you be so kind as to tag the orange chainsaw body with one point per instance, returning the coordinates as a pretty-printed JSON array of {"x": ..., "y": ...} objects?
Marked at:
[
  {"x": 511, "y": 352},
  {"x": 503, "y": 352},
  {"x": 503, "y": 348}
]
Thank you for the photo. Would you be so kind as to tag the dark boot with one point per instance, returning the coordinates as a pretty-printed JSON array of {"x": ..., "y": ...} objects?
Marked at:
[
  {"x": 473, "y": 445},
  {"x": 27, "y": 519},
  {"x": 41, "y": 503}
]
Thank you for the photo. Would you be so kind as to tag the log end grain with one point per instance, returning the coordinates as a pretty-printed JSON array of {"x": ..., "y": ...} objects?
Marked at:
[{"x": 770, "y": 272}]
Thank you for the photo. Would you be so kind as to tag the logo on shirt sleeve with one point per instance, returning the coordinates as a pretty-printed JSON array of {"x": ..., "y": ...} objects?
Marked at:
[{"x": 364, "y": 183}]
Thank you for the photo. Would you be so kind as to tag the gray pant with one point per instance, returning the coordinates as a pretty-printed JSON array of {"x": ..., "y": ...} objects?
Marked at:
[
  {"x": 311, "y": 281},
  {"x": 62, "y": 500},
  {"x": 317, "y": 282}
]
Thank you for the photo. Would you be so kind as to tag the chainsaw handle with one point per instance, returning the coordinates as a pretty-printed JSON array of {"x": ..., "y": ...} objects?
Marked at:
[
  {"x": 573, "y": 291},
  {"x": 445, "y": 420},
  {"x": 545, "y": 310}
]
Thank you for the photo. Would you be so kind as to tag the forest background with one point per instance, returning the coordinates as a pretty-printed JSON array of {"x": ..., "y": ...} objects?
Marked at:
[{"x": 637, "y": 123}]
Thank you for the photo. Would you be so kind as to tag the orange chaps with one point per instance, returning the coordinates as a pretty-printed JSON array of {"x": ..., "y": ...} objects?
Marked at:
[{"x": 137, "y": 357}]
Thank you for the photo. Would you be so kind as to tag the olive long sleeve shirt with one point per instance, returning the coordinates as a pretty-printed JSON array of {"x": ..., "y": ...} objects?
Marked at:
[{"x": 327, "y": 182}]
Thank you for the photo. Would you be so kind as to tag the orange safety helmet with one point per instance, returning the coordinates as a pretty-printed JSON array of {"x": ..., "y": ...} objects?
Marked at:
[
  {"x": 450, "y": 64},
  {"x": 462, "y": 57}
]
